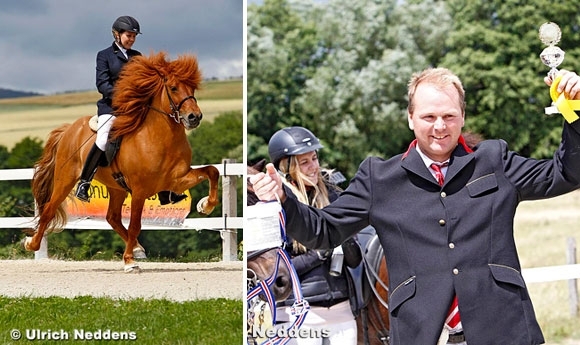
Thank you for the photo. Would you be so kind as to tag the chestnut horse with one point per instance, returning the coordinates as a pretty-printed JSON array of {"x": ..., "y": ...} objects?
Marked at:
[{"x": 155, "y": 104}]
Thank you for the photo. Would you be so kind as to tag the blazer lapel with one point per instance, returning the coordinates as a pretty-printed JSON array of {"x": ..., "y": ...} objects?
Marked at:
[
  {"x": 459, "y": 159},
  {"x": 414, "y": 163}
]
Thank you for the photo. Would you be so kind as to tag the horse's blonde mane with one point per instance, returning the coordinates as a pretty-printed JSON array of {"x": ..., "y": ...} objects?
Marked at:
[{"x": 141, "y": 79}]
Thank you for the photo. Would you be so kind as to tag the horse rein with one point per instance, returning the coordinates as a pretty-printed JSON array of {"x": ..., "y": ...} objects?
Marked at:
[
  {"x": 175, "y": 109},
  {"x": 378, "y": 323},
  {"x": 370, "y": 269}
]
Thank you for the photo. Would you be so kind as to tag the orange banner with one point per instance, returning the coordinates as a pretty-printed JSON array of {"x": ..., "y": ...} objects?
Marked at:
[{"x": 153, "y": 212}]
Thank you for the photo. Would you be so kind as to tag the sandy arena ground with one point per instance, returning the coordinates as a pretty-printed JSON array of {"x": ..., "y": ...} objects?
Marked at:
[{"x": 172, "y": 281}]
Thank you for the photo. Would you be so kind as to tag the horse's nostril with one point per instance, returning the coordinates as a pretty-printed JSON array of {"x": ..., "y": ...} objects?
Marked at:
[{"x": 192, "y": 117}]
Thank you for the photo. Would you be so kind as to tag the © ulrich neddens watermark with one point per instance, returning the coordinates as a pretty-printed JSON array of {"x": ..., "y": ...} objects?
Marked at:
[{"x": 75, "y": 334}]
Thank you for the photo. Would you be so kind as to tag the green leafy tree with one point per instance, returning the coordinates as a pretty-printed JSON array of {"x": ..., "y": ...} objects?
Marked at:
[
  {"x": 24, "y": 154},
  {"x": 15, "y": 196},
  {"x": 283, "y": 52},
  {"x": 494, "y": 48},
  {"x": 4, "y": 155},
  {"x": 358, "y": 96},
  {"x": 357, "y": 59}
]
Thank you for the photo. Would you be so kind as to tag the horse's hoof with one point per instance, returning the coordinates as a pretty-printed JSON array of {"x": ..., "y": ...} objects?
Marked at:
[
  {"x": 139, "y": 253},
  {"x": 132, "y": 268},
  {"x": 25, "y": 242},
  {"x": 202, "y": 205}
]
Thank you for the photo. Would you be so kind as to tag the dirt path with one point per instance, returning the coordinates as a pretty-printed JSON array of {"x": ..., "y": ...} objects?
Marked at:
[{"x": 173, "y": 281}]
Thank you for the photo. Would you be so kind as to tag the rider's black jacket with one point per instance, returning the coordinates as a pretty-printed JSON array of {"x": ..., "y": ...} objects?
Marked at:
[{"x": 109, "y": 63}]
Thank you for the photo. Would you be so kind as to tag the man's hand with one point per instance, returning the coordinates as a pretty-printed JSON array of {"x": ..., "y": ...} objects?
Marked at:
[
  {"x": 569, "y": 84},
  {"x": 268, "y": 185}
]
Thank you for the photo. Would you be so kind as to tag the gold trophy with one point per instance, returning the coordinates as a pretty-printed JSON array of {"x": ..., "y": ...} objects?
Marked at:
[{"x": 552, "y": 56}]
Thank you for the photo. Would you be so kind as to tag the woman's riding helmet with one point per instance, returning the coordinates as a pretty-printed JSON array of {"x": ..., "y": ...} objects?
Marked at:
[
  {"x": 291, "y": 141},
  {"x": 126, "y": 23}
]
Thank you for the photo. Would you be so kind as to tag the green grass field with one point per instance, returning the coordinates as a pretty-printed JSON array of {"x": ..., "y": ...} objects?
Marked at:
[
  {"x": 151, "y": 322},
  {"x": 36, "y": 116}
]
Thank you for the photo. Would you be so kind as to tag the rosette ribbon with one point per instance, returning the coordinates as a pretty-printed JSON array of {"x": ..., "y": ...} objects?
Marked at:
[{"x": 567, "y": 107}]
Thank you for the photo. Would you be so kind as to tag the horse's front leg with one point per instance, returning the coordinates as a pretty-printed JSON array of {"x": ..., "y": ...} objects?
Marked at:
[
  {"x": 115, "y": 217},
  {"x": 133, "y": 232},
  {"x": 212, "y": 174}
]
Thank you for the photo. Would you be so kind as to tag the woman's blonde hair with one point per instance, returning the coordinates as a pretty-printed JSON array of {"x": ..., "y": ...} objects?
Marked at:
[{"x": 295, "y": 180}]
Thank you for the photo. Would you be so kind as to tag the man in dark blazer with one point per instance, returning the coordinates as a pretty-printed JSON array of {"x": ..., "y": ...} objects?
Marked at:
[{"x": 447, "y": 240}]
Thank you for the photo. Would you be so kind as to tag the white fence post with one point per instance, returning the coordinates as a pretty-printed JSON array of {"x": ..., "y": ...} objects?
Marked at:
[
  {"x": 229, "y": 209},
  {"x": 42, "y": 252},
  {"x": 572, "y": 283}
]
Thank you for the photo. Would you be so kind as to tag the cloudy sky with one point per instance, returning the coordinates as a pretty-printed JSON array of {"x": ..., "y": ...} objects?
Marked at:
[{"x": 50, "y": 46}]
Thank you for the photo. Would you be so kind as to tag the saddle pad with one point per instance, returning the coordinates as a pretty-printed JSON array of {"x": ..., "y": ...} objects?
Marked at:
[{"x": 93, "y": 123}]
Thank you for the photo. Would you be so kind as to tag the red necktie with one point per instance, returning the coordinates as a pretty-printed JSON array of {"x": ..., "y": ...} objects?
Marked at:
[
  {"x": 438, "y": 173},
  {"x": 453, "y": 318}
]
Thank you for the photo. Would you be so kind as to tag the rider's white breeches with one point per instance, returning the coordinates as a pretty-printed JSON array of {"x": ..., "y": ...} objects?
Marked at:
[{"x": 104, "y": 124}]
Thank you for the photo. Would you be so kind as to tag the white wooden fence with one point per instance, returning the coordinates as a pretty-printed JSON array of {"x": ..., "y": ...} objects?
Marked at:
[
  {"x": 569, "y": 272},
  {"x": 227, "y": 224}
]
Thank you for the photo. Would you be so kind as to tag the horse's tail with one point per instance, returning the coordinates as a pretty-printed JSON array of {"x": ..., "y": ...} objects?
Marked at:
[{"x": 43, "y": 179}]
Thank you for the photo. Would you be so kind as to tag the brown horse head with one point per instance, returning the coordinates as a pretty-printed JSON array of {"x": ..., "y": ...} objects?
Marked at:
[
  {"x": 262, "y": 265},
  {"x": 156, "y": 83}
]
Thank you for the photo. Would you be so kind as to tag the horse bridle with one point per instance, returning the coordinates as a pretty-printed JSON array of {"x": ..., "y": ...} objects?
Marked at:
[
  {"x": 300, "y": 307},
  {"x": 252, "y": 281},
  {"x": 175, "y": 113}
]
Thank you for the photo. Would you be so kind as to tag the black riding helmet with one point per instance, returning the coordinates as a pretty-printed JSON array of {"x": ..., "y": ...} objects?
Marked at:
[
  {"x": 291, "y": 141},
  {"x": 126, "y": 23}
]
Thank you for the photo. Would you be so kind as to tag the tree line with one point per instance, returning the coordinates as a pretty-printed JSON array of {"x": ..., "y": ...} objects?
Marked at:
[{"x": 340, "y": 68}]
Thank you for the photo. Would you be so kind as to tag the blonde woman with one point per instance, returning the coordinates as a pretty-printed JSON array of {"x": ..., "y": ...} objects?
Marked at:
[{"x": 294, "y": 152}]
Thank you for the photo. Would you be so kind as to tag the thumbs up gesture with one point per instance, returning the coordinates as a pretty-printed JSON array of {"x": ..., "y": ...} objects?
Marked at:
[{"x": 268, "y": 185}]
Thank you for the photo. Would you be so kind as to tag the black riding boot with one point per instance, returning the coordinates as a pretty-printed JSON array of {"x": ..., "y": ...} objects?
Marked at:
[
  {"x": 169, "y": 197},
  {"x": 89, "y": 170}
]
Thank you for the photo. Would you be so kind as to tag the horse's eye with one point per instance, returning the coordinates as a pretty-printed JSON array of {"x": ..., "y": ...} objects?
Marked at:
[{"x": 173, "y": 89}]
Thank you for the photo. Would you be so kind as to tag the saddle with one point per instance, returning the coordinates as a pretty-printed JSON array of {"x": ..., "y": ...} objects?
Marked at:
[
  {"x": 359, "y": 285},
  {"x": 112, "y": 145},
  {"x": 372, "y": 252}
]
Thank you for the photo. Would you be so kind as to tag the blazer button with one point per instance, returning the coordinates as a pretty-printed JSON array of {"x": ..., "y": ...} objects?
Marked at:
[
  {"x": 441, "y": 222},
  {"x": 455, "y": 271},
  {"x": 451, "y": 245},
  {"x": 443, "y": 194}
]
